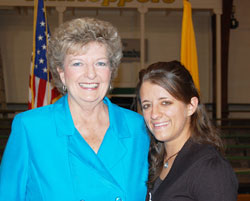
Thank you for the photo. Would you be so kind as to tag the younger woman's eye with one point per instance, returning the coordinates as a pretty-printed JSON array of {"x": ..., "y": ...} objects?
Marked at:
[
  {"x": 145, "y": 106},
  {"x": 166, "y": 102}
]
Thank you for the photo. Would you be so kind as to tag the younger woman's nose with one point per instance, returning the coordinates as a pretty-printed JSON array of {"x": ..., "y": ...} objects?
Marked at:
[{"x": 155, "y": 112}]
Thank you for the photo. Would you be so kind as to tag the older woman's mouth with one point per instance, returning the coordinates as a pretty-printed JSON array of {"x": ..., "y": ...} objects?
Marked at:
[{"x": 89, "y": 85}]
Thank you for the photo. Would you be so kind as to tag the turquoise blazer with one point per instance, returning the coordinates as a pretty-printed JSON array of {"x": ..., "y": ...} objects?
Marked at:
[{"x": 46, "y": 159}]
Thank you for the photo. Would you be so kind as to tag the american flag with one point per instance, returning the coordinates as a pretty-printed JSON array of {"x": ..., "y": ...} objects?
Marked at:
[{"x": 41, "y": 90}]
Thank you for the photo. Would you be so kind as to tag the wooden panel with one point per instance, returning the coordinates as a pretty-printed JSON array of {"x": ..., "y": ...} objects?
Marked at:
[{"x": 243, "y": 197}]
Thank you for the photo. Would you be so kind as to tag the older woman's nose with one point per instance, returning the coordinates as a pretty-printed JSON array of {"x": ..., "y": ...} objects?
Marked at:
[{"x": 91, "y": 72}]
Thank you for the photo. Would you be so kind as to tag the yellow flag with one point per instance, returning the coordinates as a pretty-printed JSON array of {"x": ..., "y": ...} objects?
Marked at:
[{"x": 188, "y": 45}]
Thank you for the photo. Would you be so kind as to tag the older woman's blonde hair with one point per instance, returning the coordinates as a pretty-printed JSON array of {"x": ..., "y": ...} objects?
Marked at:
[{"x": 71, "y": 36}]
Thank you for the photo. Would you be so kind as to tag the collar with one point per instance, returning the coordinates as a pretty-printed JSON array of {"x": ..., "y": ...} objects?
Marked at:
[
  {"x": 190, "y": 153},
  {"x": 117, "y": 119},
  {"x": 63, "y": 118},
  {"x": 65, "y": 124}
]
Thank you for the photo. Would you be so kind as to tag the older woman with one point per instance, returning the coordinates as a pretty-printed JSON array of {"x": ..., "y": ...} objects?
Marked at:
[
  {"x": 185, "y": 163},
  {"x": 83, "y": 147}
]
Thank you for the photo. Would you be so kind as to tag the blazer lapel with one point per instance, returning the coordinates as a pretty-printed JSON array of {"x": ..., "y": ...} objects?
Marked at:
[
  {"x": 81, "y": 150},
  {"x": 113, "y": 147},
  {"x": 112, "y": 150}
]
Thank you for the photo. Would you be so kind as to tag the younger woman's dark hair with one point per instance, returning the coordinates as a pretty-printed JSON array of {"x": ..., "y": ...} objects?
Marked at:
[{"x": 177, "y": 81}]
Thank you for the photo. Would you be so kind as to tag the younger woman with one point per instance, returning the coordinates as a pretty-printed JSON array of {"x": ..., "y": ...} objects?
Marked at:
[{"x": 185, "y": 160}]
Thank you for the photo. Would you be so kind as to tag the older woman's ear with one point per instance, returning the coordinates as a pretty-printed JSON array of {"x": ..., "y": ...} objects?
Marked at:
[
  {"x": 61, "y": 74},
  {"x": 192, "y": 106}
]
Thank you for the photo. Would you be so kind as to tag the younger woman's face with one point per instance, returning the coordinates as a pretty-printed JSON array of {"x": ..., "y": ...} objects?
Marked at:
[{"x": 167, "y": 118}]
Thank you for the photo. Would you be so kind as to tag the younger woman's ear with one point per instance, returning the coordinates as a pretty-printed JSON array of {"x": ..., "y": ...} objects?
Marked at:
[{"x": 192, "y": 106}]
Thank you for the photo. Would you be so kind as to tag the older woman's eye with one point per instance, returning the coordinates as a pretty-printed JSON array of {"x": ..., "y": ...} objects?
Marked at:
[
  {"x": 102, "y": 64},
  {"x": 76, "y": 64}
]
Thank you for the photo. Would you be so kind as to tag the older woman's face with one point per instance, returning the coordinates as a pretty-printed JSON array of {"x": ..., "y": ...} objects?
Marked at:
[{"x": 87, "y": 74}]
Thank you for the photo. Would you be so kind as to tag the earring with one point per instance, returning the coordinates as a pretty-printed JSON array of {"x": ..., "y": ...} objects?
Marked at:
[{"x": 64, "y": 88}]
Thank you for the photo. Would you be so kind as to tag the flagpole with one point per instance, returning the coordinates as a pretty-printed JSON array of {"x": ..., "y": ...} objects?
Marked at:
[
  {"x": 33, "y": 54},
  {"x": 48, "y": 68}
]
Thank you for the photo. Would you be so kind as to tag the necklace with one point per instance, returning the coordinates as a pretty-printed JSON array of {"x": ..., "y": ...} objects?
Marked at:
[{"x": 166, "y": 163}]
